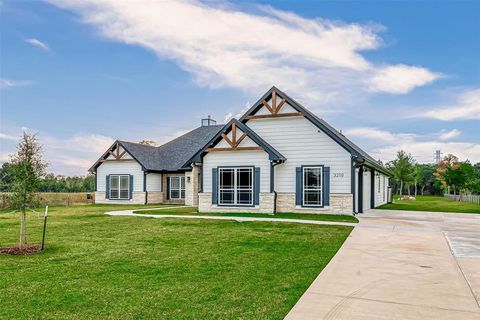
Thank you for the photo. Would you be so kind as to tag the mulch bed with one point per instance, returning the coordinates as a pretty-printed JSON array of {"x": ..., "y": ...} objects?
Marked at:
[{"x": 23, "y": 250}]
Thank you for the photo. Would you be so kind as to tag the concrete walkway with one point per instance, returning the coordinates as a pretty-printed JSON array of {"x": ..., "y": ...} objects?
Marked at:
[
  {"x": 401, "y": 265},
  {"x": 238, "y": 219}
]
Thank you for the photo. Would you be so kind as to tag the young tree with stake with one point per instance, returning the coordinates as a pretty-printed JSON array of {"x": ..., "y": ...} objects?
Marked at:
[{"x": 28, "y": 167}]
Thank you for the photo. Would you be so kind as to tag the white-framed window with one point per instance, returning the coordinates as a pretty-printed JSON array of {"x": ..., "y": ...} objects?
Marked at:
[
  {"x": 177, "y": 187},
  {"x": 312, "y": 186},
  {"x": 235, "y": 186},
  {"x": 119, "y": 187}
]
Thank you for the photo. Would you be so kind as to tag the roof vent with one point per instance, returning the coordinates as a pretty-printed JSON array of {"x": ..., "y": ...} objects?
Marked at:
[{"x": 208, "y": 122}]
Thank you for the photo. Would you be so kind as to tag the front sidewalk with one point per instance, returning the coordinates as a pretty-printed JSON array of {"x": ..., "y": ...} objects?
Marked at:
[{"x": 396, "y": 266}]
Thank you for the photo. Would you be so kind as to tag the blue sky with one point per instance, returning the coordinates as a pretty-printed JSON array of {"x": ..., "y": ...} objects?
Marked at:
[{"x": 390, "y": 75}]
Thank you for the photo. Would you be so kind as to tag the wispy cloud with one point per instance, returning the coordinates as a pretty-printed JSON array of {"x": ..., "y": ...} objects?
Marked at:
[
  {"x": 71, "y": 155},
  {"x": 378, "y": 134},
  {"x": 37, "y": 43},
  {"x": 317, "y": 60},
  {"x": 466, "y": 107},
  {"x": 8, "y": 83},
  {"x": 384, "y": 144},
  {"x": 8, "y": 137},
  {"x": 448, "y": 134}
]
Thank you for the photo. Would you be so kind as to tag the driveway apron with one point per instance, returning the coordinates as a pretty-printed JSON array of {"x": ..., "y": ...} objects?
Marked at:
[{"x": 401, "y": 265}]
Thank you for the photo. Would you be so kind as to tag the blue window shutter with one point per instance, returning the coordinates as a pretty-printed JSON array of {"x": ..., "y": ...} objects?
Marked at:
[
  {"x": 168, "y": 188},
  {"x": 298, "y": 186},
  {"x": 130, "y": 186},
  {"x": 214, "y": 185},
  {"x": 107, "y": 187},
  {"x": 326, "y": 186},
  {"x": 256, "y": 186}
]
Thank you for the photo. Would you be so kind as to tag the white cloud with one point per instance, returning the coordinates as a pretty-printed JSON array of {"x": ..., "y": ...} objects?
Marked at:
[
  {"x": 401, "y": 78},
  {"x": 315, "y": 59},
  {"x": 7, "y": 83},
  {"x": 383, "y": 144},
  {"x": 467, "y": 107},
  {"x": 448, "y": 134},
  {"x": 37, "y": 43}
]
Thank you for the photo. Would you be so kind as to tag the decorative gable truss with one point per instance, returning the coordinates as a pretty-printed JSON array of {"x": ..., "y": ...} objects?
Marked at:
[
  {"x": 236, "y": 136},
  {"x": 268, "y": 107},
  {"x": 116, "y": 153},
  {"x": 231, "y": 140}
]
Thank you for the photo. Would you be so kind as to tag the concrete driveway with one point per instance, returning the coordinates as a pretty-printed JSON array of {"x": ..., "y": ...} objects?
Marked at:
[{"x": 401, "y": 265}]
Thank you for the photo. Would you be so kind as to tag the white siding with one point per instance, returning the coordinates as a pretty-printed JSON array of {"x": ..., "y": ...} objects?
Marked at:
[
  {"x": 154, "y": 182},
  {"x": 120, "y": 167},
  {"x": 302, "y": 143},
  {"x": 381, "y": 193},
  {"x": 366, "y": 190},
  {"x": 236, "y": 158}
]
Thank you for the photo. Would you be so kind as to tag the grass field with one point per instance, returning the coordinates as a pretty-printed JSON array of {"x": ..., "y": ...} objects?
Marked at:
[
  {"x": 193, "y": 211},
  {"x": 98, "y": 266},
  {"x": 432, "y": 203}
]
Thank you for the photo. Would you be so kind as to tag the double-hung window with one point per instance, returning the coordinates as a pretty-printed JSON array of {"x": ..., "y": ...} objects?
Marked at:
[
  {"x": 312, "y": 186},
  {"x": 119, "y": 187},
  {"x": 177, "y": 187},
  {"x": 235, "y": 186}
]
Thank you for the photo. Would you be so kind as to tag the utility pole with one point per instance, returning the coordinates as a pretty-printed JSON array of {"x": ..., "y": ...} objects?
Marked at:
[{"x": 437, "y": 156}]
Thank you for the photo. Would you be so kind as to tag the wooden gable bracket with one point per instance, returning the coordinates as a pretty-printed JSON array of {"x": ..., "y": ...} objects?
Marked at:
[
  {"x": 274, "y": 109},
  {"x": 234, "y": 142},
  {"x": 117, "y": 155}
]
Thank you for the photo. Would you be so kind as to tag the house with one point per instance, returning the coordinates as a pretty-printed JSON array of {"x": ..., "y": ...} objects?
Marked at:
[{"x": 278, "y": 157}]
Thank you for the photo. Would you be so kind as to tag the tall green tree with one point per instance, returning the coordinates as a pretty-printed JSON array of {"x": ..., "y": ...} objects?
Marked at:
[
  {"x": 402, "y": 169},
  {"x": 28, "y": 167},
  {"x": 427, "y": 179},
  {"x": 457, "y": 176}
]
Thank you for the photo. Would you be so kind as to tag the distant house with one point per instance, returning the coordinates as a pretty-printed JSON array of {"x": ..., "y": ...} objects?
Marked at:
[{"x": 278, "y": 157}]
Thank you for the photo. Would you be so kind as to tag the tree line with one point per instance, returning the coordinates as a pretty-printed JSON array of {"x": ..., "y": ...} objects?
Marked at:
[
  {"x": 450, "y": 176},
  {"x": 48, "y": 182}
]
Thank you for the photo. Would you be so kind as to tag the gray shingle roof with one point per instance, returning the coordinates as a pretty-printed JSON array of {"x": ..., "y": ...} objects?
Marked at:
[{"x": 172, "y": 155}]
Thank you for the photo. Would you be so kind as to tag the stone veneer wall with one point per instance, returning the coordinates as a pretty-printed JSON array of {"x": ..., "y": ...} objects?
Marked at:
[
  {"x": 205, "y": 204},
  {"x": 339, "y": 204},
  {"x": 191, "y": 188},
  {"x": 137, "y": 198},
  {"x": 154, "y": 197}
]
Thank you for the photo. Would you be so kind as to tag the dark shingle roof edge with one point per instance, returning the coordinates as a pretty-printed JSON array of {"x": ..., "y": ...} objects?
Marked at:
[{"x": 168, "y": 157}]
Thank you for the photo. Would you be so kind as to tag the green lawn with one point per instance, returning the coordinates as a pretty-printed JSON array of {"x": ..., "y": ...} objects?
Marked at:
[
  {"x": 432, "y": 203},
  {"x": 99, "y": 266},
  {"x": 193, "y": 211}
]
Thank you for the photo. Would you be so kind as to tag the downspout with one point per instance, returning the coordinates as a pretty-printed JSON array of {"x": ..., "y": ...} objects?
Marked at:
[
  {"x": 145, "y": 186},
  {"x": 272, "y": 184}
]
